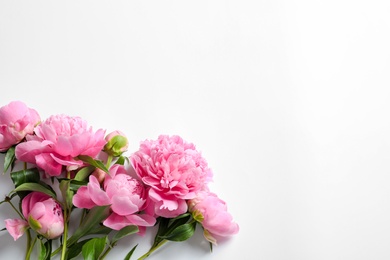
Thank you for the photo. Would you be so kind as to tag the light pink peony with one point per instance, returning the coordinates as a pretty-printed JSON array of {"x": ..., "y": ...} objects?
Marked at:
[
  {"x": 212, "y": 213},
  {"x": 125, "y": 194},
  {"x": 56, "y": 143},
  {"x": 43, "y": 214},
  {"x": 174, "y": 170},
  {"x": 16, "y": 227},
  {"x": 16, "y": 121}
]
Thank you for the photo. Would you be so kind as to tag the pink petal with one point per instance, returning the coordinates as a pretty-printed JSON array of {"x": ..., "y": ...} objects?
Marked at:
[
  {"x": 82, "y": 199},
  {"x": 141, "y": 220},
  {"x": 97, "y": 195},
  {"x": 122, "y": 205},
  {"x": 16, "y": 227},
  {"x": 116, "y": 222}
]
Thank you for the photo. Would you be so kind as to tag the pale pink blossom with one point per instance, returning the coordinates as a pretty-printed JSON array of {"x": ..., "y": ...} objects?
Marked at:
[
  {"x": 16, "y": 121},
  {"x": 43, "y": 214},
  {"x": 126, "y": 195},
  {"x": 58, "y": 141},
  {"x": 16, "y": 227},
  {"x": 174, "y": 170},
  {"x": 212, "y": 213}
]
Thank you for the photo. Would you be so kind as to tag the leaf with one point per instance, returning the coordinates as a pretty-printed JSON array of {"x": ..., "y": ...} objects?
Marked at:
[
  {"x": 94, "y": 248},
  {"x": 93, "y": 218},
  {"x": 181, "y": 233},
  {"x": 67, "y": 194},
  {"x": 84, "y": 173},
  {"x": 24, "y": 176},
  {"x": 93, "y": 162},
  {"x": 100, "y": 230},
  {"x": 75, "y": 185},
  {"x": 45, "y": 252},
  {"x": 126, "y": 231},
  {"x": 34, "y": 187},
  {"x": 75, "y": 249},
  {"x": 121, "y": 160},
  {"x": 128, "y": 256},
  {"x": 9, "y": 159}
]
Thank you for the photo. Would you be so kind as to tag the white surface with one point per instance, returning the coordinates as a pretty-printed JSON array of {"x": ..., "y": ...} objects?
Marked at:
[{"x": 287, "y": 100}]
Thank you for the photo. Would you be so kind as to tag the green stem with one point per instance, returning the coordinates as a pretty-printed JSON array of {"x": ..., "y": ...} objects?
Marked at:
[
  {"x": 65, "y": 238},
  {"x": 17, "y": 211},
  {"x": 152, "y": 250},
  {"x": 30, "y": 248},
  {"x": 109, "y": 161},
  {"x": 106, "y": 252},
  {"x": 56, "y": 251}
]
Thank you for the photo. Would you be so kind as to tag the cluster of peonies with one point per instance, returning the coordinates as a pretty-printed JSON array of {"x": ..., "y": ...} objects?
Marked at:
[{"x": 164, "y": 183}]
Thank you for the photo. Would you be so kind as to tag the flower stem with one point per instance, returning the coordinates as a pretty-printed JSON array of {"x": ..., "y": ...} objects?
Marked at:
[
  {"x": 106, "y": 252},
  {"x": 17, "y": 211},
  {"x": 154, "y": 248},
  {"x": 65, "y": 238},
  {"x": 109, "y": 161},
  {"x": 29, "y": 247}
]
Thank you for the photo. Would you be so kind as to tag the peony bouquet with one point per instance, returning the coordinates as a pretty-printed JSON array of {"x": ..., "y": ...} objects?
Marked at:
[{"x": 71, "y": 175}]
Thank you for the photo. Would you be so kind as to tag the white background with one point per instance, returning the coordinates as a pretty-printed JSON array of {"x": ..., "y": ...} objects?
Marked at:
[{"x": 287, "y": 100}]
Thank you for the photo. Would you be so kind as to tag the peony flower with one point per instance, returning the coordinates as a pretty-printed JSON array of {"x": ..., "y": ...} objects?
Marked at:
[
  {"x": 56, "y": 143},
  {"x": 16, "y": 121},
  {"x": 212, "y": 213},
  {"x": 43, "y": 214},
  {"x": 125, "y": 194},
  {"x": 173, "y": 170},
  {"x": 117, "y": 143},
  {"x": 16, "y": 227}
]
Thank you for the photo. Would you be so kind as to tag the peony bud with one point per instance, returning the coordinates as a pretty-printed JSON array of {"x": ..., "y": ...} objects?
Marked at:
[
  {"x": 117, "y": 143},
  {"x": 99, "y": 174},
  {"x": 16, "y": 227},
  {"x": 44, "y": 214}
]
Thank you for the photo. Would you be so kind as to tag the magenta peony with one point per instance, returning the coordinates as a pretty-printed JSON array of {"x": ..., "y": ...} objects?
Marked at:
[
  {"x": 173, "y": 170},
  {"x": 56, "y": 143},
  {"x": 212, "y": 213},
  {"x": 125, "y": 194},
  {"x": 16, "y": 121}
]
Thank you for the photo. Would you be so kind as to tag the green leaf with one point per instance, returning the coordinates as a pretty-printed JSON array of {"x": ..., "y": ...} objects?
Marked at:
[
  {"x": 124, "y": 232},
  {"x": 24, "y": 176},
  {"x": 84, "y": 173},
  {"x": 100, "y": 230},
  {"x": 128, "y": 256},
  {"x": 181, "y": 233},
  {"x": 9, "y": 159},
  {"x": 34, "y": 187},
  {"x": 94, "y": 248},
  {"x": 121, "y": 160},
  {"x": 67, "y": 194},
  {"x": 93, "y": 218},
  {"x": 93, "y": 162},
  {"x": 76, "y": 248},
  {"x": 45, "y": 251},
  {"x": 75, "y": 185}
]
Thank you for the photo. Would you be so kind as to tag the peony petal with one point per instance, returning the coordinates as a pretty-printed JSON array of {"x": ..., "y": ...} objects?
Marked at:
[
  {"x": 16, "y": 227},
  {"x": 82, "y": 199},
  {"x": 116, "y": 222},
  {"x": 97, "y": 195},
  {"x": 122, "y": 205},
  {"x": 141, "y": 220}
]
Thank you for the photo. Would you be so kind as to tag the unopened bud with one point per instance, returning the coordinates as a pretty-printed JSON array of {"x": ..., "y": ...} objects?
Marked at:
[{"x": 117, "y": 143}]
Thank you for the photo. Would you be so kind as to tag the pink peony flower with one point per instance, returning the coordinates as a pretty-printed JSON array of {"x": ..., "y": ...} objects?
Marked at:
[
  {"x": 43, "y": 214},
  {"x": 212, "y": 213},
  {"x": 16, "y": 227},
  {"x": 117, "y": 143},
  {"x": 125, "y": 194},
  {"x": 16, "y": 121},
  {"x": 175, "y": 172},
  {"x": 56, "y": 143}
]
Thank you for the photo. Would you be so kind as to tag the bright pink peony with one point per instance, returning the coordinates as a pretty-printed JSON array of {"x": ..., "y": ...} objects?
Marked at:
[
  {"x": 125, "y": 194},
  {"x": 212, "y": 213},
  {"x": 16, "y": 227},
  {"x": 174, "y": 170},
  {"x": 43, "y": 214},
  {"x": 56, "y": 143},
  {"x": 16, "y": 121}
]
